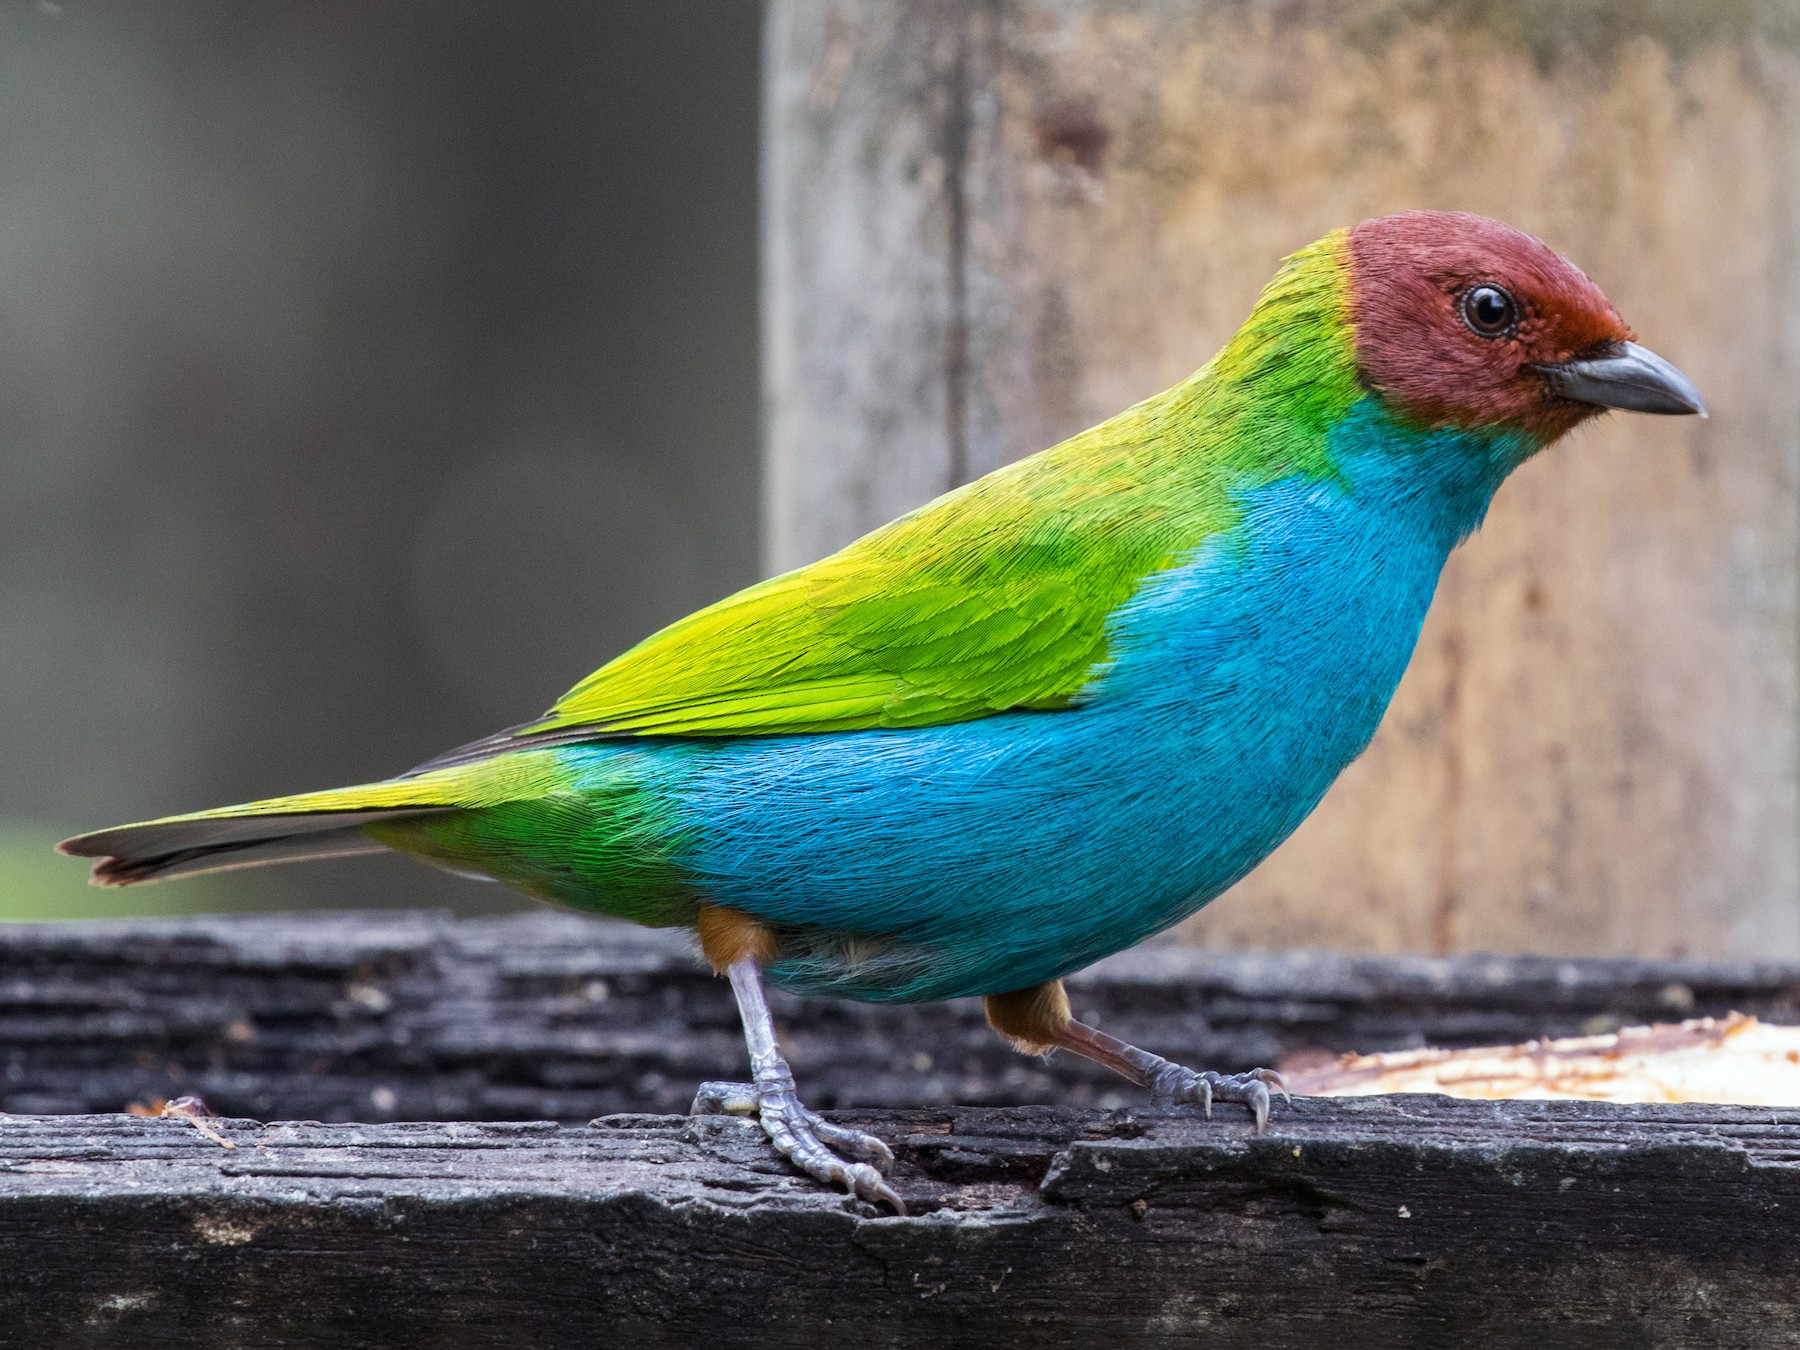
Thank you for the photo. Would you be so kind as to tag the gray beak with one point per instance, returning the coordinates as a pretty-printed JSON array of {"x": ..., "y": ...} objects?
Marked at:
[{"x": 1630, "y": 377}]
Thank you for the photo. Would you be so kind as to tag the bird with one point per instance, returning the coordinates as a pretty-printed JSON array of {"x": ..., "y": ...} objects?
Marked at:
[{"x": 1044, "y": 716}]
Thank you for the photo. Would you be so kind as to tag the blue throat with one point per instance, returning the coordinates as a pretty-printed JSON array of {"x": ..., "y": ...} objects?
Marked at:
[
  {"x": 991, "y": 855},
  {"x": 1442, "y": 481}
]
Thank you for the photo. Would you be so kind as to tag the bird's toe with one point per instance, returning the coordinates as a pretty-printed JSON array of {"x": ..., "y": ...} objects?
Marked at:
[
  {"x": 726, "y": 1099},
  {"x": 859, "y": 1143},
  {"x": 1177, "y": 1086},
  {"x": 812, "y": 1144}
]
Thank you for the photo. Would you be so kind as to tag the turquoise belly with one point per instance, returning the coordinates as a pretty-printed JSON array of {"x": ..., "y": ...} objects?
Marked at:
[
  {"x": 994, "y": 854},
  {"x": 990, "y": 855}
]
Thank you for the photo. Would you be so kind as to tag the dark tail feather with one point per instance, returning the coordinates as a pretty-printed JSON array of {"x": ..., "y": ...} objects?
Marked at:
[{"x": 179, "y": 848}]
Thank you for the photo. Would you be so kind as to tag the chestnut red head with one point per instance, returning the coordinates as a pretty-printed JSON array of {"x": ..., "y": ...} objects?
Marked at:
[{"x": 1464, "y": 322}]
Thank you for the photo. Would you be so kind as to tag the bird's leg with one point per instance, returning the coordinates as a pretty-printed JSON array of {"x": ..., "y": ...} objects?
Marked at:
[
  {"x": 1173, "y": 1084},
  {"x": 1037, "y": 1021},
  {"x": 811, "y": 1143}
]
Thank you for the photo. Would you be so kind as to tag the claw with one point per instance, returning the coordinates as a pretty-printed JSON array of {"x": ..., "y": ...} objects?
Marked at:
[
  {"x": 844, "y": 1139},
  {"x": 1276, "y": 1081},
  {"x": 799, "y": 1136},
  {"x": 725, "y": 1099},
  {"x": 1170, "y": 1084},
  {"x": 1257, "y": 1095},
  {"x": 885, "y": 1194},
  {"x": 866, "y": 1184},
  {"x": 808, "y": 1140},
  {"x": 1173, "y": 1085}
]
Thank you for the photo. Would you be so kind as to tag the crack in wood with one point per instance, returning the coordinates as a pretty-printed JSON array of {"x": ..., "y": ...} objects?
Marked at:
[{"x": 1358, "y": 1218}]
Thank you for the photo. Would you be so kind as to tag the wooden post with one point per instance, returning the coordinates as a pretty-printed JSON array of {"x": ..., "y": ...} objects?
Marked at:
[{"x": 989, "y": 224}]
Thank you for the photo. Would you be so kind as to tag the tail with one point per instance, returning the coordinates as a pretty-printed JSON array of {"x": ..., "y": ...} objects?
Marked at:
[{"x": 281, "y": 829}]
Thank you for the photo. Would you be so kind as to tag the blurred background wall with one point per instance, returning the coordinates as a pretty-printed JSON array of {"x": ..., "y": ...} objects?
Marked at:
[
  {"x": 368, "y": 374},
  {"x": 990, "y": 223}
]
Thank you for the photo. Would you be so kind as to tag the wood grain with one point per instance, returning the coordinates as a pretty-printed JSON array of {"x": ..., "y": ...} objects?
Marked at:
[
  {"x": 990, "y": 224},
  {"x": 415, "y": 1016},
  {"x": 1374, "y": 1221}
]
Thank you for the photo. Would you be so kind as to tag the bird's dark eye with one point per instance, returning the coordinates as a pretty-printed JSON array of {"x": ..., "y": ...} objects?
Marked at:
[{"x": 1489, "y": 311}]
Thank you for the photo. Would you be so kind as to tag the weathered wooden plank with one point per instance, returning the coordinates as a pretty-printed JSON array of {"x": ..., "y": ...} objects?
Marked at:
[
  {"x": 1374, "y": 1222},
  {"x": 386, "y": 1016},
  {"x": 988, "y": 225}
]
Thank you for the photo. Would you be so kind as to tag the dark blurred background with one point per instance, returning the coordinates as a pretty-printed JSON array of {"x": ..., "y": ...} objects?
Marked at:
[{"x": 372, "y": 372}]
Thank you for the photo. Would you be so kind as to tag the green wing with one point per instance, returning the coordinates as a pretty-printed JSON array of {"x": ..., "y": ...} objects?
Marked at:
[
  {"x": 995, "y": 596},
  {"x": 898, "y": 630}
]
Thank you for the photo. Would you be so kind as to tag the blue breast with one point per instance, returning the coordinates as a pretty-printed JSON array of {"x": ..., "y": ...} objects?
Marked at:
[{"x": 990, "y": 855}]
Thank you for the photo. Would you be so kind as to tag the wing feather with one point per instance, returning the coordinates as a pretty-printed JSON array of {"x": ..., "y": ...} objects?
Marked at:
[{"x": 994, "y": 597}]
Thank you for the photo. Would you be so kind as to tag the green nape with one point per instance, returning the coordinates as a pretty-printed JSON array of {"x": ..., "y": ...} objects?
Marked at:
[
  {"x": 910, "y": 626},
  {"x": 564, "y": 826}
]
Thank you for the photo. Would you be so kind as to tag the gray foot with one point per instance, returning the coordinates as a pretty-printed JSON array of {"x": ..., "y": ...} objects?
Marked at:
[
  {"x": 1173, "y": 1085},
  {"x": 810, "y": 1142}
]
